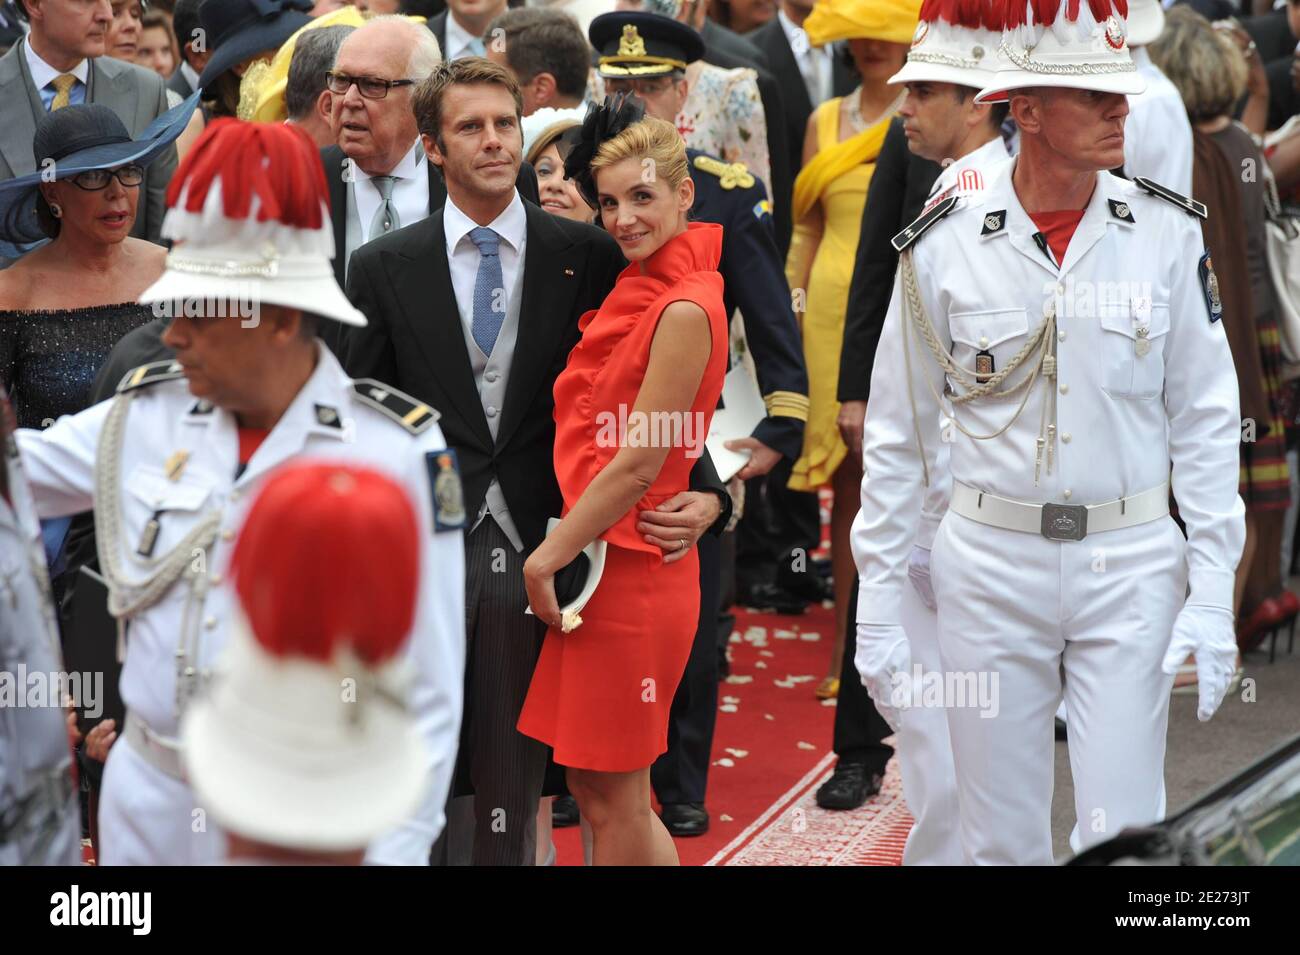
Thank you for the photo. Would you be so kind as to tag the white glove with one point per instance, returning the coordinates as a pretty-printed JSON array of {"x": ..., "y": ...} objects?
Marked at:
[
  {"x": 918, "y": 572},
  {"x": 1207, "y": 633},
  {"x": 884, "y": 663}
]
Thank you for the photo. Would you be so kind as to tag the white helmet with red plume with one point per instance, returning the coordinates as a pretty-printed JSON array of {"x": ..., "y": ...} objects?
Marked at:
[
  {"x": 306, "y": 740},
  {"x": 1077, "y": 44},
  {"x": 956, "y": 41},
  {"x": 248, "y": 212}
]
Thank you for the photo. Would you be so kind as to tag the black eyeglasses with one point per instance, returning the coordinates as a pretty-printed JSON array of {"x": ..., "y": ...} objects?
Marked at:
[
  {"x": 371, "y": 87},
  {"x": 92, "y": 180}
]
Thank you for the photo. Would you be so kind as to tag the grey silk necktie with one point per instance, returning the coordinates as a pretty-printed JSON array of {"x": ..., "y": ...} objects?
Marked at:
[{"x": 386, "y": 218}]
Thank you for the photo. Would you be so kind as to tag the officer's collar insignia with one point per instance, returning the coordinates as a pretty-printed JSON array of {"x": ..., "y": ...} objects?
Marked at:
[
  {"x": 414, "y": 416},
  {"x": 731, "y": 174},
  {"x": 994, "y": 222},
  {"x": 1160, "y": 192},
  {"x": 927, "y": 218},
  {"x": 1120, "y": 210},
  {"x": 150, "y": 374},
  {"x": 631, "y": 44},
  {"x": 201, "y": 407},
  {"x": 328, "y": 416}
]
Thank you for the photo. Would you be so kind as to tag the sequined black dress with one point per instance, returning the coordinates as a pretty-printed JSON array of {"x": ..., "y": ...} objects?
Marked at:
[{"x": 48, "y": 358}]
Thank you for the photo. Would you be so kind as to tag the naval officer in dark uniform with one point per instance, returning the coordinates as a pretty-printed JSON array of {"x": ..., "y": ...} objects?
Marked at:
[{"x": 647, "y": 55}]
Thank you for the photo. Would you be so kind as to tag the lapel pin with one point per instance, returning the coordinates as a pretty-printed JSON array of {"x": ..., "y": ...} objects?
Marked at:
[
  {"x": 176, "y": 464},
  {"x": 568, "y": 272}
]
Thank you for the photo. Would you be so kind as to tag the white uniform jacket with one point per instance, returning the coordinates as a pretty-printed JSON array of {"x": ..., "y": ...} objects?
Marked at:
[
  {"x": 1124, "y": 411},
  {"x": 330, "y": 419},
  {"x": 39, "y": 820}
]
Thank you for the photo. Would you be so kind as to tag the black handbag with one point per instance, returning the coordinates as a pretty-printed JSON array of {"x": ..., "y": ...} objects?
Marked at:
[{"x": 570, "y": 580}]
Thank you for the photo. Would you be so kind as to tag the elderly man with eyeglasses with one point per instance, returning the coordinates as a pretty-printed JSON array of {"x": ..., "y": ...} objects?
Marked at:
[{"x": 378, "y": 176}]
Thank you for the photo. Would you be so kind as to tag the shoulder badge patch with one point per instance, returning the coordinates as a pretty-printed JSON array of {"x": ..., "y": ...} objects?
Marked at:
[
  {"x": 448, "y": 496},
  {"x": 762, "y": 208},
  {"x": 150, "y": 374},
  {"x": 731, "y": 174},
  {"x": 1210, "y": 286},
  {"x": 923, "y": 222},
  {"x": 1160, "y": 192},
  {"x": 414, "y": 416}
]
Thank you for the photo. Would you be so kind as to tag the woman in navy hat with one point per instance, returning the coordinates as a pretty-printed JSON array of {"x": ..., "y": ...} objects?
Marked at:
[
  {"x": 239, "y": 33},
  {"x": 66, "y": 304},
  {"x": 72, "y": 295}
]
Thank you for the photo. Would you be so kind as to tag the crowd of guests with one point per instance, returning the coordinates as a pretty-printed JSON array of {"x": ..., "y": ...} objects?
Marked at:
[{"x": 787, "y": 156}]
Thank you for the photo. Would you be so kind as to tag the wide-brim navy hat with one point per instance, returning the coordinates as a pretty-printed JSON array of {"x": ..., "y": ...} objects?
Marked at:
[
  {"x": 239, "y": 29},
  {"x": 634, "y": 43},
  {"x": 77, "y": 139}
]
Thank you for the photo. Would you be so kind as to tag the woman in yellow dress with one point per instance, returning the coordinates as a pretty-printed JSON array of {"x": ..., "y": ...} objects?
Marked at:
[{"x": 839, "y": 156}]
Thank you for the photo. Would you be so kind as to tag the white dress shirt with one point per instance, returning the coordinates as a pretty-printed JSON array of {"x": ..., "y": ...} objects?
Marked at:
[
  {"x": 410, "y": 191},
  {"x": 462, "y": 254},
  {"x": 814, "y": 61},
  {"x": 460, "y": 42},
  {"x": 191, "y": 75},
  {"x": 491, "y": 372},
  {"x": 43, "y": 75}
]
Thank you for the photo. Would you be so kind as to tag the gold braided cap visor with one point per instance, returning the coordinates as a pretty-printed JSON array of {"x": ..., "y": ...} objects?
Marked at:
[{"x": 616, "y": 66}]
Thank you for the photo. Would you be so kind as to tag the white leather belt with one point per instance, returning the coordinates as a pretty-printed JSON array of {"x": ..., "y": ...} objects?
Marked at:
[
  {"x": 160, "y": 752},
  {"x": 1065, "y": 522}
]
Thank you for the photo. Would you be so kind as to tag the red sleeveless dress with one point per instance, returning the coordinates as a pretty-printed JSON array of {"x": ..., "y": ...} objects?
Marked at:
[{"x": 601, "y": 694}]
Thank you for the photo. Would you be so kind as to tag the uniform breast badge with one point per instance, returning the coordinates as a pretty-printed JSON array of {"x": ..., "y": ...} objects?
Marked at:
[
  {"x": 1141, "y": 344},
  {"x": 983, "y": 366},
  {"x": 149, "y": 536},
  {"x": 1141, "y": 326},
  {"x": 448, "y": 495},
  {"x": 175, "y": 465}
]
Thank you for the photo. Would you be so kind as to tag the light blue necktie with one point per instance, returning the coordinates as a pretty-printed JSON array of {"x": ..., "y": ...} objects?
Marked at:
[
  {"x": 476, "y": 47},
  {"x": 489, "y": 289}
]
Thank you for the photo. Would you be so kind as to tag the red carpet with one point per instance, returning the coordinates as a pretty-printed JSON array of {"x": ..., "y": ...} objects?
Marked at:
[{"x": 771, "y": 751}]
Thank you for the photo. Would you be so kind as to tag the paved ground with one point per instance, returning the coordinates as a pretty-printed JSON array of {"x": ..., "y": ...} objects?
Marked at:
[{"x": 1202, "y": 755}]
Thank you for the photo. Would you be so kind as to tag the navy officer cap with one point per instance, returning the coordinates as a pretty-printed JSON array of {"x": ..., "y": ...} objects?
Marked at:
[{"x": 634, "y": 43}]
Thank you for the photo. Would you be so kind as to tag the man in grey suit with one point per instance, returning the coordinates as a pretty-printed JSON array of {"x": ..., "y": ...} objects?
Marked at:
[{"x": 61, "y": 62}]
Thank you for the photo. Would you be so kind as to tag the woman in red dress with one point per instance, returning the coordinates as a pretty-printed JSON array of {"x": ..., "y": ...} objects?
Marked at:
[{"x": 632, "y": 409}]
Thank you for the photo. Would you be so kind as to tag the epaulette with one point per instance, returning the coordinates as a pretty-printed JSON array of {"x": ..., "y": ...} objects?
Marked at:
[
  {"x": 1160, "y": 192},
  {"x": 923, "y": 222},
  {"x": 414, "y": 416},
  {"x": 150, "y": 374},
  {"x": 732, "y": 174}
]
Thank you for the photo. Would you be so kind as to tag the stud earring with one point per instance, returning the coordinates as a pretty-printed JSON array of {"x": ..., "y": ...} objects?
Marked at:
[{"x": 57, "y": 210}]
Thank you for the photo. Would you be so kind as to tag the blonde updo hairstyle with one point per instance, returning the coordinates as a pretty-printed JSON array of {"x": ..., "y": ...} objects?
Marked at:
[{"x": 649, "y": 138}]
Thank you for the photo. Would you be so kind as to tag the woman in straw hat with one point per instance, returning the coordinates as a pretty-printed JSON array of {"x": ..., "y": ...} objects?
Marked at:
[{"x": 843, "y": 140}]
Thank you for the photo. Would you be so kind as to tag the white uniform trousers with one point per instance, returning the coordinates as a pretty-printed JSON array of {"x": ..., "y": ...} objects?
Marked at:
[
  {"x": 1092, "y": 618},
  {"x": 147, "y": 817},
  {"x": 925, "y": 752}
]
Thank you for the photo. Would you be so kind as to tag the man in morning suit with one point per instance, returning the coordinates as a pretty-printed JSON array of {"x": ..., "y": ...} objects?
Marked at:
[
  {"x": 475, "y": 308},
  {"x": 379, "y": 178}
]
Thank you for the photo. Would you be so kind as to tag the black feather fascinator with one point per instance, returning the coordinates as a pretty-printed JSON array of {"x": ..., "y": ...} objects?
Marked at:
[{"x": 603, "y": 122}]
